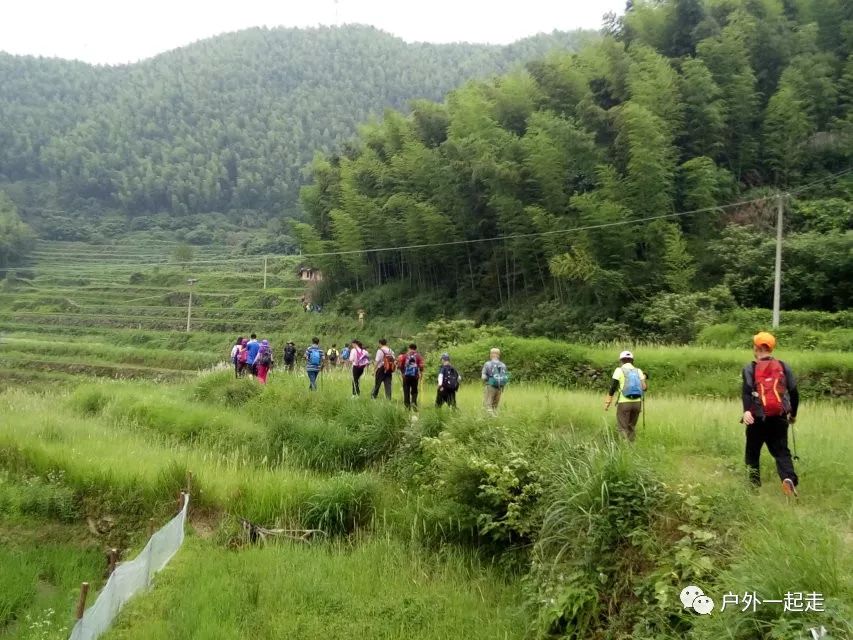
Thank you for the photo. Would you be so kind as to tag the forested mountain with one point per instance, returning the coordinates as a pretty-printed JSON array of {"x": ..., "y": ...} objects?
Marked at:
[
  {"x": 685, "y": 105},
  {"x": 223, "y": 125}
]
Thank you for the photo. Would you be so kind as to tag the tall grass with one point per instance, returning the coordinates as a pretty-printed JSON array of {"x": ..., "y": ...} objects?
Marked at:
[
  {"x": 132, "y": 472},
  {"x": 378, "y": 589}
]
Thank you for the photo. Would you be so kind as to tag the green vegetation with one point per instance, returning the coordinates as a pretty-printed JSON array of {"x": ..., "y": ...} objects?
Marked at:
[
  {"x": 16, "y": 238},
  {"x": 197, "y": 142},
  {"x": 537, "y": 523},
  {"x": 576, "y": 163}
]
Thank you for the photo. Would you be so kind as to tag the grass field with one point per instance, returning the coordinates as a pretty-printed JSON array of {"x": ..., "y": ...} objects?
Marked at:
[
  {"x": 430, "y": 535},
  {"x": 540, "y": 523}
]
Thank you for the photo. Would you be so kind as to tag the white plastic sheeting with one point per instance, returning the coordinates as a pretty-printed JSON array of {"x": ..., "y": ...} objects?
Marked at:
[{"x": 132, "y": 577}]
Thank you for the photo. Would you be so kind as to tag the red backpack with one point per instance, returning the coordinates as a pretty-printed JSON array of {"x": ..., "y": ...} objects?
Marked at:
[{"x": 770, "y": 386}]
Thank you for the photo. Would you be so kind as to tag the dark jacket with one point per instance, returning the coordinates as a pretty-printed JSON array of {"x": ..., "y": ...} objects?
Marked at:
[{"x": 750, "y": 397}]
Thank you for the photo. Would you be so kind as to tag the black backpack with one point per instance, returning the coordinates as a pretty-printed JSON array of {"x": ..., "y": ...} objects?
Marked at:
[
  {"x": 289, "y": 353},
  {"x": 266, "y": 359},
  {"x": 450, "y": 380}
]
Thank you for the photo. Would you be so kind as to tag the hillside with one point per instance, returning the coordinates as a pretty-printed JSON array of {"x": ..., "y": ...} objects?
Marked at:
[
  {"x": 629, "y": 189},
  {"x": 223, "y": 125}
]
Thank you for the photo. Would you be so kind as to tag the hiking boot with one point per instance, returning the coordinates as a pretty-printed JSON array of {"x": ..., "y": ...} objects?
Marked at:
[{"x": 788, "y": 488}]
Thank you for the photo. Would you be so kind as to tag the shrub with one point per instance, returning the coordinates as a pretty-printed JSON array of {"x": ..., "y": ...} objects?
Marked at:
[{"x": 223, "y": 388}]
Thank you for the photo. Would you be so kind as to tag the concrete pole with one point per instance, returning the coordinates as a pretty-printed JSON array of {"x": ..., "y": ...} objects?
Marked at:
[
  {"x": 190, "y": 309},
  {"x": 777, "y": 282}
]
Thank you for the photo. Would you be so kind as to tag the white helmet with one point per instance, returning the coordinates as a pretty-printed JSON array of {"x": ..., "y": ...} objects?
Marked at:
[{"x": 626, "y": 355}]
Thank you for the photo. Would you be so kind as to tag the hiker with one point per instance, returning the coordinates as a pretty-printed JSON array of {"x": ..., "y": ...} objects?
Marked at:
[
  {"x": 448, "y": 383},
  {"x": 495, "y": 376},
  {"x": 254, "y": 346},
  {"x": 264, "y": 361},
  {"x": 631, "y": 384},
  {"x": 314, "y": 359},
  {"x": 360, "y": 358},
  {"x": 345, "y": 356},
  {"x": 243, "y": 357},
  {"x": 411, "y": 366},
  {"x": 385, "y": 365},
  {"x": 235, "y": 350},
  {"x": 770, "y": 402},
  {"x": 289, "y": 356},
  {"x": 332, "y": 356}
]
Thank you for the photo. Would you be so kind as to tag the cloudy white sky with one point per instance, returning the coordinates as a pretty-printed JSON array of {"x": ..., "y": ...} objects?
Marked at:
[{"x": 118, "y": 31}]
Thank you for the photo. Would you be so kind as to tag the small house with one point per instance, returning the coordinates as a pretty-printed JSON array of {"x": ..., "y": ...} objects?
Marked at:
[{"x": 307, "y": 274}]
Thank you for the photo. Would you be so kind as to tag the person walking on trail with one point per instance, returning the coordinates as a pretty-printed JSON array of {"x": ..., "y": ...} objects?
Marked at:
[
  {"x": 264, "y": 361},
  {"x": 770, "y": 403},
  {"x": 448, "y": 383},
  {"x": 495, "y": 376},
  {"x": 360, "y": 358},
  {"x": 314, "y": 359},
  {"x": 235, "y": 350},
  {"x": 411, "y": 366},
  {"x": 332, "y": 356},
  {"x": 243, "y": 357},
  {"x": 345, "y": 361},
  {"x": 630, "y": 384},
  {"x": 254, "y": 346},
  {"x": 289, "y": 356},
  {"x": 384, "y": 365}
]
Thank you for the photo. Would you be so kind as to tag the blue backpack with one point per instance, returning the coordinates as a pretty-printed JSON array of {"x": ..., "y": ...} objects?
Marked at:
[
  {"x": 499, "y": 376},
  {"x": 411, "y": 370},
  {"x": 315, "y": 357},
  {"x": 345, "y": 354},
  {"x": 632, "y": 388}
]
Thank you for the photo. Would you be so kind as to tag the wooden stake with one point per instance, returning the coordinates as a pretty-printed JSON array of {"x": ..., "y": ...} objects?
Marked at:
[
  {"x": 112, "y": 560},
  {"x": 189, "y": 482},
  {"x": 150, "y": 527},
  {"x": 81, "y": 601}
]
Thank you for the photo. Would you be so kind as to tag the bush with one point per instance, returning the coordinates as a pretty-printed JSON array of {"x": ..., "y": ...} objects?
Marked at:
[
  {"x": 222, "y": 388},
  {"x": 480, "y": 485}
]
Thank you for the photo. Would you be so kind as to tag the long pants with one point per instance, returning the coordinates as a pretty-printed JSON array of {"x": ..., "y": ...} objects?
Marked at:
[
  {"x": 236, "y": 369},
  {"x": 410, "y": 392},
  {"x": 627, "y": 414},
  {"x": 774, "y": 433},
  {"x": 445, "y": 396},
  {"x": 241, "y": 369},
  {"x": 312, "y": 379},
  {"x": 491, "y": 399},
  {"x": 357, "y": 372},
  {"x": 382, "y": 378},
  {"x": 289, "y": 365},
  {"x": 263, "y": 370}
]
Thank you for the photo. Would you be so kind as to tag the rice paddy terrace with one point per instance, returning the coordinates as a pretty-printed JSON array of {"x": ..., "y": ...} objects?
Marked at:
[{"x": 118, "y": 310}]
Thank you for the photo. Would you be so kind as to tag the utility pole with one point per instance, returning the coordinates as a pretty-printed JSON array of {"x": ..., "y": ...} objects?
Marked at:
[
  {"x": 777, "y": 282},
  {"x": 265, "y": 272},
  {"x": 191, "y": 282}
]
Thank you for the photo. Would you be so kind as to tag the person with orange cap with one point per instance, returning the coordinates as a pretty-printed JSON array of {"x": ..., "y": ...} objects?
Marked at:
[{"x": 770, "y": 401}]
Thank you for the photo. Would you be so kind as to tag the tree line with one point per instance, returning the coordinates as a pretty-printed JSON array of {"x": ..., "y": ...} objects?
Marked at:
[
  {"x": 224, "y": 125},
  {"x": 683, "y": 105}
]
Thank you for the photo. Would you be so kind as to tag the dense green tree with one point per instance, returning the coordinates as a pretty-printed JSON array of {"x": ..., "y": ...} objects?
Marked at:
[
  {"x": 227, "y": 124},
  {"x": 557, "y": 186},
  {"x": 16, "y": 238}
]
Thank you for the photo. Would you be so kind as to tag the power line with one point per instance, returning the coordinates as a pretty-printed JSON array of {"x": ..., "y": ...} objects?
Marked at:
[{"x": 518, "y": 236}]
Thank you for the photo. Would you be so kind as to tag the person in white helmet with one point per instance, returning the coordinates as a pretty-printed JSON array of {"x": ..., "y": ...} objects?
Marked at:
[{"x": 630, "y": 383}]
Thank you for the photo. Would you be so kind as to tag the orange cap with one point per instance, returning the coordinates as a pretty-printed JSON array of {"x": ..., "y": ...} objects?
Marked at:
[{"x": 764, "y": 339}]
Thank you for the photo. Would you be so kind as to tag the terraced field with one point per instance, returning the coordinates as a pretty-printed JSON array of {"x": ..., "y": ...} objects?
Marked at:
[{"x": 120, "y": 311}]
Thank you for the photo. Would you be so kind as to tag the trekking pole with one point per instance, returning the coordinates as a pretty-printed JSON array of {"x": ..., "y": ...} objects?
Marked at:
[
  {"x": 794, "y": 437},
  {"x": 643, "y": 410}
]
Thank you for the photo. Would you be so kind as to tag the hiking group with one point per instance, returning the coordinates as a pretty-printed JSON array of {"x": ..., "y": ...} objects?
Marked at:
[
  {"x": 248, "y": 354},
  {"x": 770, "y": 402},
  {"x": 769, "y": 390}
]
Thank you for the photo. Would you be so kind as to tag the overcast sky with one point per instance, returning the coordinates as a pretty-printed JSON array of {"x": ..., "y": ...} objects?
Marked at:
[{"x": 118, "y": 31}]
